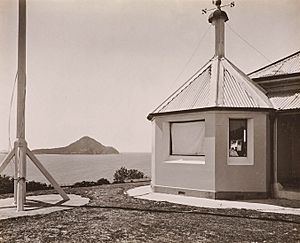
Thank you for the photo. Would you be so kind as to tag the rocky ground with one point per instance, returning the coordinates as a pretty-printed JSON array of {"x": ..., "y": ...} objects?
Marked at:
[{"x": 112, "y": 216}]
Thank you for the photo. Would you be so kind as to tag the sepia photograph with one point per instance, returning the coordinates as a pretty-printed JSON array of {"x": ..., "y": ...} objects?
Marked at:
[{"x": 149, "y": 121}]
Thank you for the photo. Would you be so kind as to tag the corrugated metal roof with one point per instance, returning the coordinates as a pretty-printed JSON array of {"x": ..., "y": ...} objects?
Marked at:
[
  {"x": 242, "y": 90},
  {"x": 218, "y": 84},
  {"x": 234, "y": 89},
  {"x": 194, "y": 94},
  {"x": 286, "y": 102},
  {"x": 287, "y": 65}
]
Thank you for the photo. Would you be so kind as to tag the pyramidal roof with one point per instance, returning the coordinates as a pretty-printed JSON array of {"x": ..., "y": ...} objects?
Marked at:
[{"x": 218, "y": 84}]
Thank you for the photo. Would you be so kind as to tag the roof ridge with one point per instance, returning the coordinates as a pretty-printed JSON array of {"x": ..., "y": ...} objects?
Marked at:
[
  {"x": 273, "y": 63},
  {"x": 183, "y": 86},
  {"x": 253, "y": 88},
  {"x": 247, "y": 77}
]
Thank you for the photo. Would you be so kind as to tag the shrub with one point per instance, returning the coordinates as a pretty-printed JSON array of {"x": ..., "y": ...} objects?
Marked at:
[
  {"x": 84, "y": 184},
  {"x": 7, "y": 185},
  {"x": 101, "y": 181},
  {"x": 120, "y": 175},
  {"x": 135, "y": 174},
  {"x": 123, "y": 174},
  {"x": 35, "y": 186}
]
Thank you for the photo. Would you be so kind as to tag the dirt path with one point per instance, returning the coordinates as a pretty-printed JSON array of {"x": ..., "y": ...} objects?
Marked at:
[{"x": 112, "y": 216}]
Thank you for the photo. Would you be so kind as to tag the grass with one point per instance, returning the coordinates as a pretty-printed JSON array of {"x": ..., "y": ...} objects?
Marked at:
[{"x": 112, "y": 216}]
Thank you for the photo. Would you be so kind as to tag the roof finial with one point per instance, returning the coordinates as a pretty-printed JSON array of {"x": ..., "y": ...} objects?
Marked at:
[
  {"x": 218, "y": 18},
  {"x": 217, "y": 3},
  {"x": 218, "y": 6}
]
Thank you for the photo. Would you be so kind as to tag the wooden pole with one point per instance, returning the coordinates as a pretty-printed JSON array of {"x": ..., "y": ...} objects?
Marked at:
[
  {"x": 21, "y": 150},
  {"x": 21, "y": 145},
  {"x": 21, "y": 93},
  {"x": 15, "y": 178}
]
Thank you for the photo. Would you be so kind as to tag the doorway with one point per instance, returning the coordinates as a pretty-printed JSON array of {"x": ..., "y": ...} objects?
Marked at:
[{"x": 288, "y": 150}]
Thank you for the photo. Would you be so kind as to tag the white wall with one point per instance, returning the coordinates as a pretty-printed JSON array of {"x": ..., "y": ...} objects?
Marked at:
[
  {"x": 213, "y": 172},
  {"x": 183, "y": 172},
  {"x": 252, "y": 175}
]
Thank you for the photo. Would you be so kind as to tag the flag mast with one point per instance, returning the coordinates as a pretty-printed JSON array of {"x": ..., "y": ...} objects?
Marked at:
[
  {"x": 20, "y": 144},
  {"x": 21, "y": 150}
]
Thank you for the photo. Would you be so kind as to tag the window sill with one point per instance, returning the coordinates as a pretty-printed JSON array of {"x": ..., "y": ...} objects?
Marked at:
[
  {"x": 239, "y": 161},
  {"x": 184, "y": 161}
]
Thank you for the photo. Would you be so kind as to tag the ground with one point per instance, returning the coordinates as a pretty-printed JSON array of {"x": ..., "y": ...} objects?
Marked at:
[{"x": 112, "y": 216}]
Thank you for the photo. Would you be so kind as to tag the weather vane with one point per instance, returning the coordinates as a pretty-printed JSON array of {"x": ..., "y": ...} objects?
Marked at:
[{"x": 219, "y": 6}]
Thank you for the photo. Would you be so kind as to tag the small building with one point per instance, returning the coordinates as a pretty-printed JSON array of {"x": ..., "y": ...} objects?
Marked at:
[{"x": 226, "y": 135}]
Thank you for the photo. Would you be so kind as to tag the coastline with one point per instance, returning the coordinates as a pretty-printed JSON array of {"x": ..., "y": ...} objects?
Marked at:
[{"x": 72, "y": 168}]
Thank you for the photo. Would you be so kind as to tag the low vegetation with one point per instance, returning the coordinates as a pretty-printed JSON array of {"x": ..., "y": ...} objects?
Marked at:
[
  {"x": 123, "y": 175},
  {"x": 7, "y": 185},
  {"x": 112, "y": 216},
  {"x": 101, "y": 181}
]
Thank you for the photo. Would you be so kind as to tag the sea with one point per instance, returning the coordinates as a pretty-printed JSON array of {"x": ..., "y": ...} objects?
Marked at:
[{"x": 68, "y": 169}]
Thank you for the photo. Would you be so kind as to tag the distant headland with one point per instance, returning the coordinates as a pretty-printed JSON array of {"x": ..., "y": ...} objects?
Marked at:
[{"x": 84, "y": 145}]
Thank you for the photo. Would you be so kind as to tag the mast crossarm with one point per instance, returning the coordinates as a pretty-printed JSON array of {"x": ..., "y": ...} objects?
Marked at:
[
  {"x": 7, "y": 159},
  {"x": 52, "y": 181}
]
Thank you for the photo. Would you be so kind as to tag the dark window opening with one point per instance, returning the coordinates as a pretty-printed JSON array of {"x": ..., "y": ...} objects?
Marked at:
[{"x": 238, "y": 137}]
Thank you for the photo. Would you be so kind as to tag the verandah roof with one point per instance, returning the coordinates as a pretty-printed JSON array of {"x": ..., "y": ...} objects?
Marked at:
[
  {"x": 281, "y": 79},
  {"x": 284, "y": 66}
]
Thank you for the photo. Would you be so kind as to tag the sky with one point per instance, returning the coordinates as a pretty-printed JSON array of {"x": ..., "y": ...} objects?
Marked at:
[{"x": 99, "y": 67}]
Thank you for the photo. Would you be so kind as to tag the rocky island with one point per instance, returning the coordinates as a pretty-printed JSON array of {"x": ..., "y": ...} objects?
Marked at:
[{"x": 84, "y": 145}]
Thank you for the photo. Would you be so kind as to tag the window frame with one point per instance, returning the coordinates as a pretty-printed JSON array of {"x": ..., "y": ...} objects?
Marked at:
[
  {"x": 229, "y": 140},
  {"x": 170, "y": 138},
  {"x": 249, "y": 160}
]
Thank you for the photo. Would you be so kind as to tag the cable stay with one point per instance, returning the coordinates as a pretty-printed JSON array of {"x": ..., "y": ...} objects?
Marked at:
[
  {"x": 191, "y": 57},
  {"x": 249, "y": 44},
  {"x": 187, "y": 63},
  {"x": 10, "y": 111}
]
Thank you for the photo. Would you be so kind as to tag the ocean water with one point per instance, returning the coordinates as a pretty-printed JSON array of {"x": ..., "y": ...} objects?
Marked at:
[{"x": 68, "y": 169}]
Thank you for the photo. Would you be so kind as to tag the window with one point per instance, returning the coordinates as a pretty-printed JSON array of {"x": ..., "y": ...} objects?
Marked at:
[
  {"x": 187, "y": 138},
  {"x": 237, "y": 137}
]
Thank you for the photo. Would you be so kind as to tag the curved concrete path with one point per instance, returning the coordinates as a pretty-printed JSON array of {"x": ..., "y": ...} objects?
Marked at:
[
  {"x": 42, "y": 204},
  {"x": 145, "y": 192}
]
